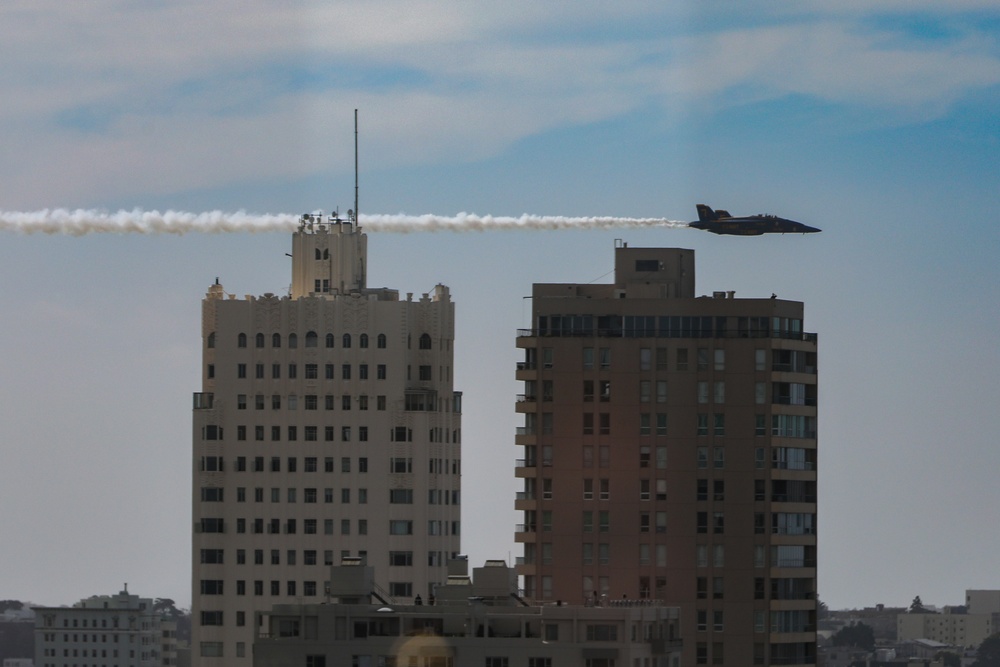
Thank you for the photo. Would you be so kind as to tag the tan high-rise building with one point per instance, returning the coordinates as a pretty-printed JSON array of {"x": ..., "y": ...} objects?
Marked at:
[
  {"x": 327, "y": 426},
  {"x": 669, "y": 452}
]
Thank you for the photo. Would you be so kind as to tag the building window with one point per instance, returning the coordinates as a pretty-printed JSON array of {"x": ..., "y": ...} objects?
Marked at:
[
  {"x": 401, "y": 496},
  {"x": 401, "y": 558},
  {"x": 400, "y": 527},
  {"x": 402, "y": 589},
  {"x": 211, "y": 586},
  {"x": 211, "y": 649}
]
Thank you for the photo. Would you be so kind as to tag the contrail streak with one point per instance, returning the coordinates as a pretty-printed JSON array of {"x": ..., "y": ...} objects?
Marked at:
[{"x": 81, "y": 222}]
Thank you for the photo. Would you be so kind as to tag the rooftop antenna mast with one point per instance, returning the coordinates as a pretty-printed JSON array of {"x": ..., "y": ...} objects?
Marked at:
[{"x": 356, "y": 216}]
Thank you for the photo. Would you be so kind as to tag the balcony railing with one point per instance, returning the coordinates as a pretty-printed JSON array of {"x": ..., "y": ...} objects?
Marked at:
[
  {"x": 792, "y": 368},
  {"x": 797, "y": 530},
  {"x": 787, "y": 400},
  {"x": 793, "y": 498},
  {"x": 794, "y": 562},
  {"x": 793, "y": 465}
]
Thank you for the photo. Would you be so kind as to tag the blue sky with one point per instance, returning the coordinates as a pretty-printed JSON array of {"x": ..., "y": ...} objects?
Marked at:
[{"x": 877, "y": 122}]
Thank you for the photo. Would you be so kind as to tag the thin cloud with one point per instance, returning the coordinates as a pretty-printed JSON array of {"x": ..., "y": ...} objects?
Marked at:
[{"x": 169, "y": 97}]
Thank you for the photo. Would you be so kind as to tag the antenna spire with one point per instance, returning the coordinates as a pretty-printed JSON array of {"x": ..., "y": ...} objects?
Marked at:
[{"x": 356, "y": 215}]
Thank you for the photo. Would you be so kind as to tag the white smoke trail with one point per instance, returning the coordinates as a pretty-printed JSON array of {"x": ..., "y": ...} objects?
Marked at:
[
  {"x": 470, "y": 222},
  {"x": 80, "y": 222}
]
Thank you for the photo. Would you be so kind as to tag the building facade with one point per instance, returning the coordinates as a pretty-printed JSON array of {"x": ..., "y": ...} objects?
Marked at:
[
  {"x": 472, "y": 622},
  {"x": 669, "y": 453},
  {"x": 120, "y": 630},
  {"x": 326, "y": 426},
  {"x": 965, "y": 630}
]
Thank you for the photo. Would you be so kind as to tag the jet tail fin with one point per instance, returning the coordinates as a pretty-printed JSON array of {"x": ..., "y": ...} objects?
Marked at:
[{"x": 706, "y": 214}]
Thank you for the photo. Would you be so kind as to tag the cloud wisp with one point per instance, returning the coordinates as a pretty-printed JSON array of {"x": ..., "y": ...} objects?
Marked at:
[{"x": 82, "y": 222}]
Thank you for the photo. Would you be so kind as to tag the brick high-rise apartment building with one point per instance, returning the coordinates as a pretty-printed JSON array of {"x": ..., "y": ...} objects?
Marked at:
[
  {"x": 327, "y": 426},
  {"x": 669, "y": 452}
]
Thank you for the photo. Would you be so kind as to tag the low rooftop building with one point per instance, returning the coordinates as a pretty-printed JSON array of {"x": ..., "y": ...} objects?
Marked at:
[{"x": 478, "y": 620}]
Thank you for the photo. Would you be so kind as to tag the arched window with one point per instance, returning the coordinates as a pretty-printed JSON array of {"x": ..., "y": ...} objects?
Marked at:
[
  {"x": 363, "y": 341},
  {"x": 311, "y": 339},
  {"x": 211, "y": 340},
  {"x": 425, "y": 342},
  {"x": 259, "y": 340},
  {"x": 329, "y": 340},
  {"x": 381, "y": 341},
  {"x": 293, "y": 341},
  {"x": 347, "y": 341},
  {"x": 241, "y": 340},
  {"x": 318, "y": 254},
  {"x": 276, "y": 340},
  {"x": 326, "y": 253}
]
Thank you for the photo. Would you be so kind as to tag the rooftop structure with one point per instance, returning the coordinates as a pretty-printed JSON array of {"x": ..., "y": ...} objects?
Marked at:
[{"x": 478, "y": 620}]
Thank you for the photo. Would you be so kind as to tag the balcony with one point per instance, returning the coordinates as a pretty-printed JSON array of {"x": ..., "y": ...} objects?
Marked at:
[
  {"x": 794, "y": 562},
  {"x": 793, "y": 465},
  {"x": 808, "y": 401},
  {"x": 793, "y": 498}
]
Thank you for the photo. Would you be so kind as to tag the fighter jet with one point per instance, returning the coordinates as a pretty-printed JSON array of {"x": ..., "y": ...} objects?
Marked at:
[{"x": 721, "y": 222}]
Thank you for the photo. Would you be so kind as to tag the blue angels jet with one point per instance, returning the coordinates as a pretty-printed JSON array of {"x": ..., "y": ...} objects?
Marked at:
[{"x": 721, "y": 222}]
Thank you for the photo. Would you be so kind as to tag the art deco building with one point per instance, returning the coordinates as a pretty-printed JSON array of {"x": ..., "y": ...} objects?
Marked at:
[
  {"x": 326, "y": 427},
  {"x": 669, "y": 452}
]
